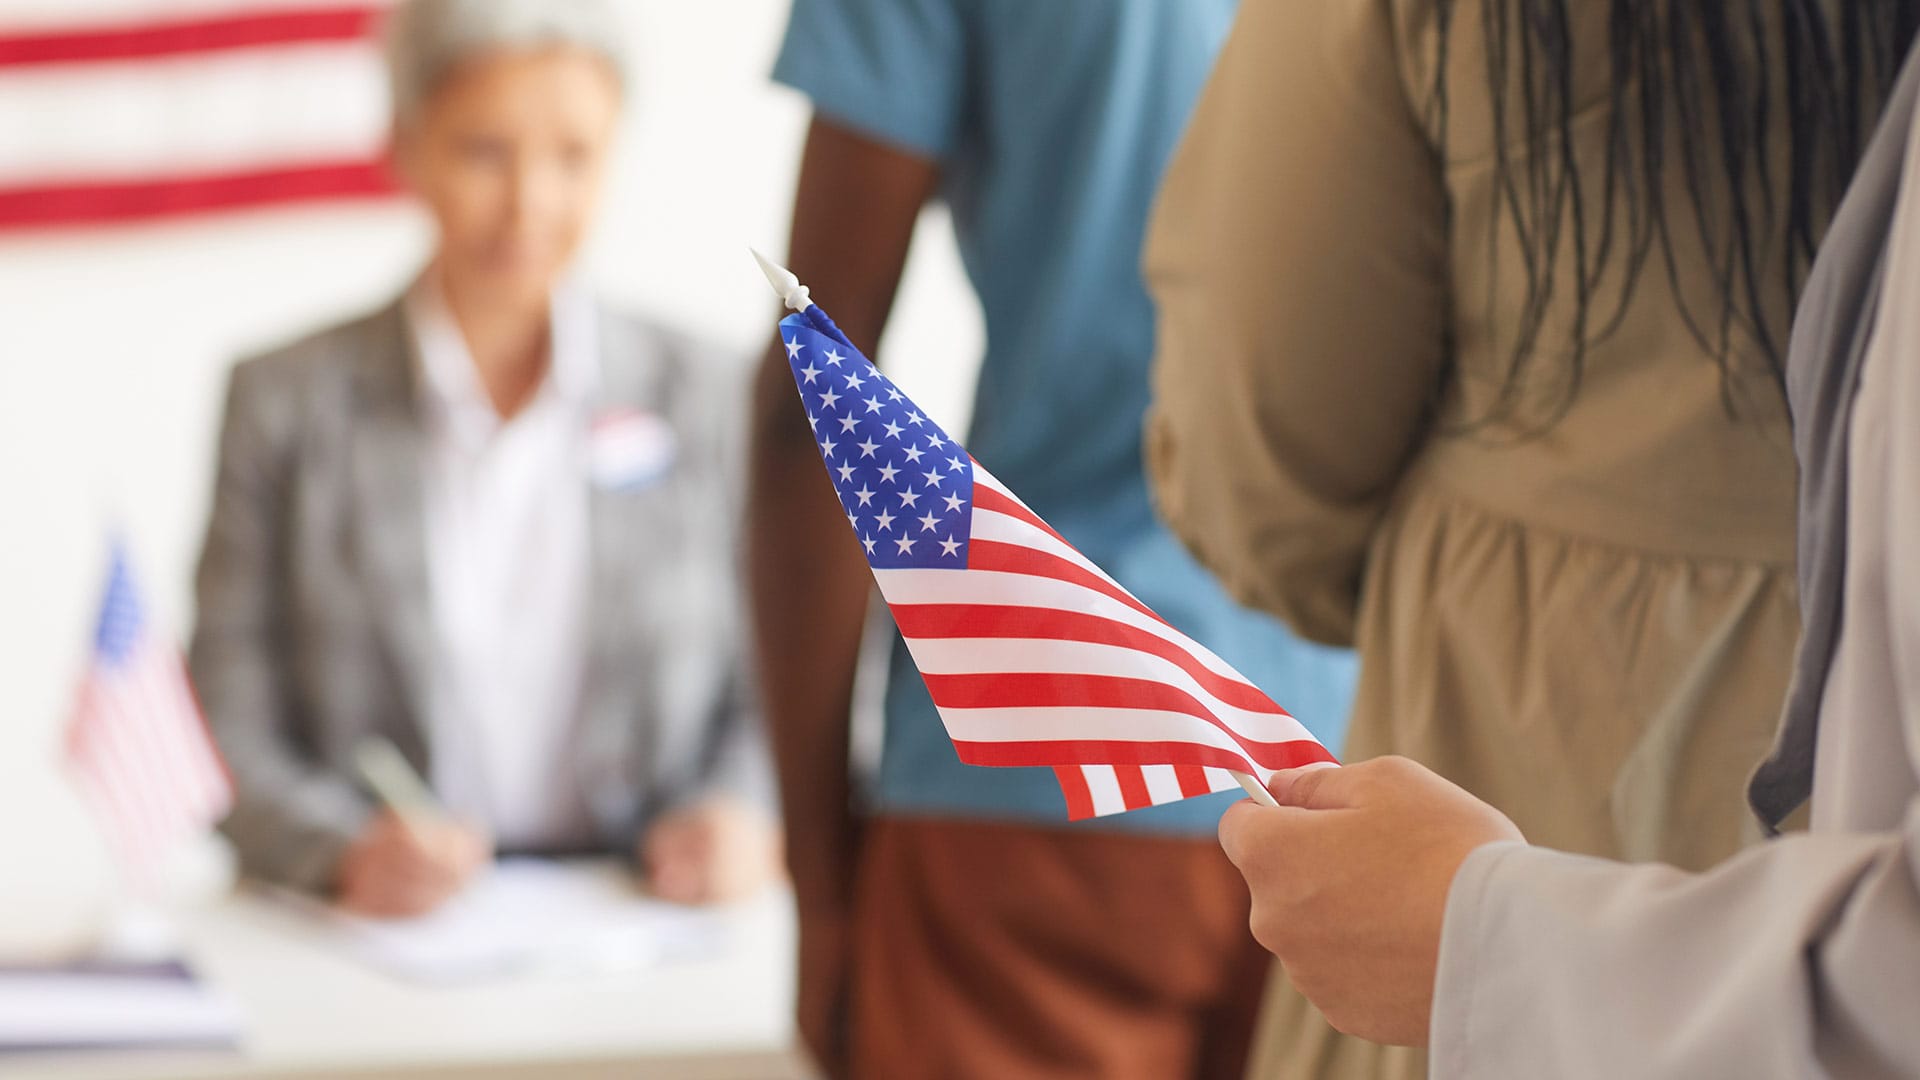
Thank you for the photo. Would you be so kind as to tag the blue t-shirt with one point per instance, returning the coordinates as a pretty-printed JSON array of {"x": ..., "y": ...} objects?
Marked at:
[{"x": 1052, "y": 122}]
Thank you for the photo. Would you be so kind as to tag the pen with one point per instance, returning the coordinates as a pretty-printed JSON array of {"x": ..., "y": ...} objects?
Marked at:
[{"x": 385, "y": 770}]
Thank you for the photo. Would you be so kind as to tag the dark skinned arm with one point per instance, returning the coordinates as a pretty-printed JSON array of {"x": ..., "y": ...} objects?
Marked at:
[{"x": 853, "y": 222}]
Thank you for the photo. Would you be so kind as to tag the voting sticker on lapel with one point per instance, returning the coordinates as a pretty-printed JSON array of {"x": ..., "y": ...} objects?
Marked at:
[{"x": 630, "y": 448}]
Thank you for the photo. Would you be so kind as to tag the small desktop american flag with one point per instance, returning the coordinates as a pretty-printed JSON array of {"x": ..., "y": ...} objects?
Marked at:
[
  {"x": 1033, "y": 655},
  {"x": 137, "y": 741}
]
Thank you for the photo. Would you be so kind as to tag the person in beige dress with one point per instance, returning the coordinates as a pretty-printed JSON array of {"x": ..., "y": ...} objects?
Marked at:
[
  {"x": 1480, "y": 374},
  {"x": 1409, "y": 911}
]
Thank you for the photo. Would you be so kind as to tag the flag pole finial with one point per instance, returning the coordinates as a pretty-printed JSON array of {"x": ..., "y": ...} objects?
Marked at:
[{"x": 791, "y": 292}]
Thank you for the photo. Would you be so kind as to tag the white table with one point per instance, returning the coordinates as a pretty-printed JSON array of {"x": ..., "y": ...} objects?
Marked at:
[{"x": 313, "y": 1013}]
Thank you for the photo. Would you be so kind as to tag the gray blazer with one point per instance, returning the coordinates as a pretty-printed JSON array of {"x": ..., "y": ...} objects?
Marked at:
[{"x": 313, "y": 626}]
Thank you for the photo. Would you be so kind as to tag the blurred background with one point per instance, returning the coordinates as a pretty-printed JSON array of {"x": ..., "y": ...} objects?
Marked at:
[
  {"x": 120, "y": 313},
  {"x": 487, "y": 738},
  {"x": 187, "y": 182}
]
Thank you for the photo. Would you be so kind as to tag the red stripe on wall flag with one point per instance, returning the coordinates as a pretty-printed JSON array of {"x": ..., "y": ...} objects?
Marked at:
[
  {"x": 104, "y": 202},
  {"x": 219, "y": 33}
]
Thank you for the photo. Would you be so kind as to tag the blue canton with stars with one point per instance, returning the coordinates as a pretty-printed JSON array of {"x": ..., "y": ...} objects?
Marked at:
[
  {"x": 906, "y": 486},
  {"x": 122, "y": 620}
]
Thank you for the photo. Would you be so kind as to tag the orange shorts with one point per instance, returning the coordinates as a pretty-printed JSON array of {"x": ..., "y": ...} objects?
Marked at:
[{"x": 1007, "y": 952}]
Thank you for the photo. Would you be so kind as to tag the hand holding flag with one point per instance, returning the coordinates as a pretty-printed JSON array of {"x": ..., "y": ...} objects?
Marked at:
[{"x": 1033, "y": 655}]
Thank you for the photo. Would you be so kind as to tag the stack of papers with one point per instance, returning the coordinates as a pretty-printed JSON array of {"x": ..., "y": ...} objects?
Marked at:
[
  {"x": 97, "y": 1006},
  {"x": 531, "y": 918}
]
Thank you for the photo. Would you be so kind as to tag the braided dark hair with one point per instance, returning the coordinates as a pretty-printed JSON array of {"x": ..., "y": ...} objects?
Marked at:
[{"x": 1716, "y": 72}]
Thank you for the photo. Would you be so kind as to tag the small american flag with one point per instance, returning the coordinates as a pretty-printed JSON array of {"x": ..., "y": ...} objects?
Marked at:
[
  {"x": 137, "y": 741},
  {"x": 1033, "y": 655}
]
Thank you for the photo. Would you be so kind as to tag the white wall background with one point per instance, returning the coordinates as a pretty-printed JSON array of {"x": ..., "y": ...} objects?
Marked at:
[{"x": 114, "y": 346}]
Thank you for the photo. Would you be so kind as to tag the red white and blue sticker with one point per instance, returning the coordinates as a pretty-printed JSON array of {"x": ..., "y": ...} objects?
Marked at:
[{"x": 630, "y": 448}]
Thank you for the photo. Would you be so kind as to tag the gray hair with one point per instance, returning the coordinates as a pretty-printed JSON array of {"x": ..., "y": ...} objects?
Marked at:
[{"x": 427, "y": 39}]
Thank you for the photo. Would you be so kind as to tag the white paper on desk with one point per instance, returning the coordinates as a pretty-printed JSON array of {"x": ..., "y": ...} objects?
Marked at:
[
  {"x": 528, "y": 917},
  {"x": 108, "y": 1005}
]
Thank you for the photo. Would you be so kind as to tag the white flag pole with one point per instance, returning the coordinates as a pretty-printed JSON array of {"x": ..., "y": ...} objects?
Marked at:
[
  {"x": 1255, "y": 789},
  {"x": 792, "y": 293}
]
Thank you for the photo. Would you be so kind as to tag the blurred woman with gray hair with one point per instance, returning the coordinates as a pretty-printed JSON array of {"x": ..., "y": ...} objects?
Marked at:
[{"x": 487, "y": 524}]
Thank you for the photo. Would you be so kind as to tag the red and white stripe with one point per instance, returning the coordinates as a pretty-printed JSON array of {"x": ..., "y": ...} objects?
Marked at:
[
  {"x": 140, "y": 748},
  {"x": 1035, "y": 656},
  {"x": 129, "y": 110}
]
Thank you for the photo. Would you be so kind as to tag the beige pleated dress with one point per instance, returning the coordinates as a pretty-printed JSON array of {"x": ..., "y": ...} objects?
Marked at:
[{"x": 1592, "y": 627}]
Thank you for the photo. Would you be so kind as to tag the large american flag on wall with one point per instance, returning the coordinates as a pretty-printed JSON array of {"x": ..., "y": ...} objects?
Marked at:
[
  {"x": 119, "y": 110},
  {"x": 1034, "y": 656}
]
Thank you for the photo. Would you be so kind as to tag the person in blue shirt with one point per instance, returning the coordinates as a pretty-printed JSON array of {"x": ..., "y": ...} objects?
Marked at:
[{"x": 952, "y": 922}]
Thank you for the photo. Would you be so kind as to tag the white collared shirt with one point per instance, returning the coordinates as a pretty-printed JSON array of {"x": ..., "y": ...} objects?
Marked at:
[{"x": 508, "y": 568}]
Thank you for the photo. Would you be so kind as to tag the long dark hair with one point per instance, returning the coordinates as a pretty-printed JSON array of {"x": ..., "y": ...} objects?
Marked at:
[{"x": 1716, "y": 73}]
